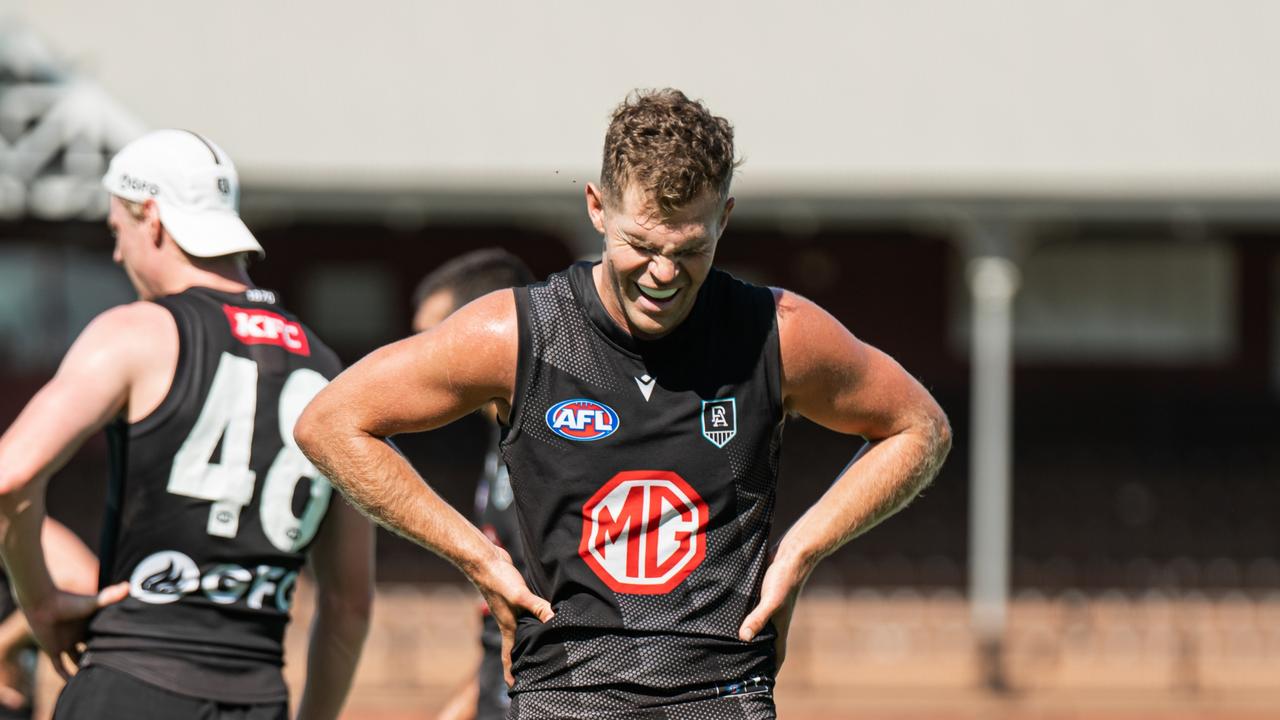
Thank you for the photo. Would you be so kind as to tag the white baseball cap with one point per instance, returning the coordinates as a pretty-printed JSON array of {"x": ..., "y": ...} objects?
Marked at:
[{"x": 195, "y": 186}]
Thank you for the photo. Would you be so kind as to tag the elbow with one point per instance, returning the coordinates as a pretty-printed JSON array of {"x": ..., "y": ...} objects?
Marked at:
[
  {"x": 941, "y": 432},
  {"x": 308, "y": 431}
]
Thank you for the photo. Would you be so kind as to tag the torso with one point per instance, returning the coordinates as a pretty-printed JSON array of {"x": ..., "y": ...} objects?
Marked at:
[
  {"x": 644, "y": 475},
  {"x": 212, "y": 507}
]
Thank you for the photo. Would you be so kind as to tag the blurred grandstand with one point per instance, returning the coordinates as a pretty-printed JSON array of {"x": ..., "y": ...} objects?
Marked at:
[{"x": 1073, "y": 207}]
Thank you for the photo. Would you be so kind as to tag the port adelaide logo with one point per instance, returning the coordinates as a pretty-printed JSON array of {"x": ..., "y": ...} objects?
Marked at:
[
  {"x": 582, "y": 420},
  {"x": 719, "y": 420}
]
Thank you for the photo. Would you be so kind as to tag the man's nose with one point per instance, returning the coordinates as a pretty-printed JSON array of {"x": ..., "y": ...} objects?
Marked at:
[{"x": 663, "y": 269}]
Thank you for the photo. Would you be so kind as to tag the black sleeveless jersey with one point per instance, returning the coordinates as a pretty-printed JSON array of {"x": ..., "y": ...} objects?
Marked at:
[
  {"x": 644, "y": 475},
  {"x": 211, "y": 505}
]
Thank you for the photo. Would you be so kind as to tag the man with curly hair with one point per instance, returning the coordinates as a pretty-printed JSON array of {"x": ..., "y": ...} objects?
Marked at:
[{"x": 643, "y": 399}]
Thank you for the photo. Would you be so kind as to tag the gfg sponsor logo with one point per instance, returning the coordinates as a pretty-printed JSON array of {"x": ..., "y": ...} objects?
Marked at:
[
  {"x": 644, "y": 532},
  {"x": 168, "y": 576},
  {"x": 582, "y": 420}
]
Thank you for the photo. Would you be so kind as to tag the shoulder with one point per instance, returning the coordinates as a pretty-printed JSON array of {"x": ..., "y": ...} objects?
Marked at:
[
  {"x": 817, "y": 349},
  {"x": 799, "y": 317},
  {"x": 132, "y": 331},
  {"x": 491, "y": 316},
  {"x": 122, "y": 346},
  {"x": 475, "y": 344}
]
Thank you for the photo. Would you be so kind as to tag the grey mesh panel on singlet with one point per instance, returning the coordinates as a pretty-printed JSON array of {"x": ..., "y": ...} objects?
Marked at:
[
  {"x": 614, "y": 649},
  {"x": 562, "y": 340}
]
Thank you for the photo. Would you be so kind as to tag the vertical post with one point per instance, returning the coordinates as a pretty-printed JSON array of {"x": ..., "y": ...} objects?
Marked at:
[{"x": 993, "y": 282}]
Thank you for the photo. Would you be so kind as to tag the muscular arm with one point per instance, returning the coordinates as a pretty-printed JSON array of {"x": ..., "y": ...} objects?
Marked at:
[
  {"x": 94, "y": 383},
  {"x": 832, "y": 378},
  {"x": 342, "y": 559},
  {"x": 841, "y": 383},
  {"x": 421, "y": 383}
]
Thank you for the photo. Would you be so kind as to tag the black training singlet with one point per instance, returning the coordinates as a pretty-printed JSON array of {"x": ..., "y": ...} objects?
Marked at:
[
  {"x": 644, "y": 475},
  {"x": 212, "y": 506}
]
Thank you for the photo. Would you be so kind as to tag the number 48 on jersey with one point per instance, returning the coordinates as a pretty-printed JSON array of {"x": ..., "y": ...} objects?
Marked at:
[{"x": 228, "y": 416}]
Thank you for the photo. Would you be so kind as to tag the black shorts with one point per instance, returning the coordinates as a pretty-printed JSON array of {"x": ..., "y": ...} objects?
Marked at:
[{"x": 98, "y": 692}]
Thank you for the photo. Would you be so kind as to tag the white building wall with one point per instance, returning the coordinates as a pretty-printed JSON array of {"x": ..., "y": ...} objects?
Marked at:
[{"x": 866, "y": 97}]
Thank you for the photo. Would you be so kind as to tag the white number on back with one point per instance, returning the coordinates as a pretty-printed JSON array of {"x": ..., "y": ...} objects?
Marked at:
[
  {"x": 228, "y": 414},
  {"x": 285, "y": 530}
]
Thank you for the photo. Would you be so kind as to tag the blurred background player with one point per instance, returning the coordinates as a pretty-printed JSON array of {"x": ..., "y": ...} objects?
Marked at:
[
  {"x": 450, "y": 287},
  {"x": 211, "y": 509},
  {"x": 644, "y": 398},
  {"x": 73, "y": 568}
]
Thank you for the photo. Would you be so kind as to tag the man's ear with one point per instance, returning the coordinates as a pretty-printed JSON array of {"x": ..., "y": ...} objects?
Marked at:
[
  {"x": 724, "y": 215},
  {"x": 595, "y": 207},
  {"x": 151, "y": 218}
]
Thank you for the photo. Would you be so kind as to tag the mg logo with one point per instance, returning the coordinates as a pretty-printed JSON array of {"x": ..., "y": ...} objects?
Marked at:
[{"x": 644, "y": 532}]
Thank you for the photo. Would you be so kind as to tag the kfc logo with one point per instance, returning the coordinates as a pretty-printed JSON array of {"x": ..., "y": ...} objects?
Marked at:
[
  {"x": 644, "y": 532},
  {"x": 259, "y": 327}
]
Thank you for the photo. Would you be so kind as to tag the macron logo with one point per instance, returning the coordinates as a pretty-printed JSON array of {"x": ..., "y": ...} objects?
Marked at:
[
  {"x": 259, "y": 327},
  {"x": 645, "y": 383}
]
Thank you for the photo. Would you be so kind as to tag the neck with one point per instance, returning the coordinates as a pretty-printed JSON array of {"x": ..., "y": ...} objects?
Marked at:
[
  {"x": 608, "y": 293},
  {"x": 223, "y": 274}
]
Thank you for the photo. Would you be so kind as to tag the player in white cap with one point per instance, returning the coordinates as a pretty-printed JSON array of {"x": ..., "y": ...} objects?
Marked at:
[{"x": 212, "y": 510}]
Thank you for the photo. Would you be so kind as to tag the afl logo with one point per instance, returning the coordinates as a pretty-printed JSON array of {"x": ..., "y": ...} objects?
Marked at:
[
  {"x": 582, "y": 420},
  {"x": 644, "y": 532}
]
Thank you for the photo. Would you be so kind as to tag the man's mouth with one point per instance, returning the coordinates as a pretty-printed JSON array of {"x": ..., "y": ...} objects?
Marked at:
[{"x": 656, "y": 294}]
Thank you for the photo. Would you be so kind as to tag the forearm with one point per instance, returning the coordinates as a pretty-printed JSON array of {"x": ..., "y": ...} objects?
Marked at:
[
  {"x": 881, "y": 480},
  {"x": 72, "y": 565},
  {"x": 337, "y": 637},
  {"x": 14, "y": 633},
  {"x": 22, "y": 515},
  {"x": 382, "y": 484}
]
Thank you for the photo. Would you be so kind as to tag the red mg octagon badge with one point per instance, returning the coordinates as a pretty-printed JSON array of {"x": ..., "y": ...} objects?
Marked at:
[{"x": 644, "y": 532}]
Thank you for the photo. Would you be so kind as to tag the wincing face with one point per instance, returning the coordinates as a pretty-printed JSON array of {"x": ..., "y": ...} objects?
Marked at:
[
  {"x": 653, "y": 266},
  {"x": 136, "y": 242}
]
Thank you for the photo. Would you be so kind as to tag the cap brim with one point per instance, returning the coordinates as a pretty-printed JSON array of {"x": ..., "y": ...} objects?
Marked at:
[{"x": 209, "y": 233}]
